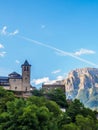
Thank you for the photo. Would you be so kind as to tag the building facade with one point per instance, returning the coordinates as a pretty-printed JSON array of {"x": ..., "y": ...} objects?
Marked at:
[
  {"x": 20, "y": 84},
  {"x": 56, "y": 85}
]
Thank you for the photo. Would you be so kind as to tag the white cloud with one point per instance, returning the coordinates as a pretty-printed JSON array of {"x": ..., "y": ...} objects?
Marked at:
[
  {"x": 43, "y": 26},
  {"x": 3, "y": 30},
  {"x": 58, "y": 80},
  {"x": 51, "y": 82},
  {"x": 46, "y": 80},
  {"x": 56, "y": 71},
  {"x": 84, "y": 51},
  {"x": 2, "y": 54},
  {"x": 14, "y": 33},
  {"x": 60, "y": 77},
  {"x": 77, "y": 53},
  {"x": 1, "y": 46},
  {"x": 17, "y": 61},
  {"x": 40, "y": 80},
  {"x": 60, "y": 51}
]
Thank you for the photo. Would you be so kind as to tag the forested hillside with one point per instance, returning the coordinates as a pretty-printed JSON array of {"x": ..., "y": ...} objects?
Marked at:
[{"x": 42, "y": 112}]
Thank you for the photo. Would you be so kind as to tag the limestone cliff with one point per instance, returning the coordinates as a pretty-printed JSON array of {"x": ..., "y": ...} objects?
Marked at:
[{"x": 83, "y": 84}]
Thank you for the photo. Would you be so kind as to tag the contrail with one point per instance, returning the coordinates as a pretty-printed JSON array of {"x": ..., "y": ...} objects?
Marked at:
[{"x": 59, "y": 50}]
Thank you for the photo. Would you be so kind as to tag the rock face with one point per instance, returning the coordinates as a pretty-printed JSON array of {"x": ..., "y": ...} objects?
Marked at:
[{"x": 83, "y": 84}]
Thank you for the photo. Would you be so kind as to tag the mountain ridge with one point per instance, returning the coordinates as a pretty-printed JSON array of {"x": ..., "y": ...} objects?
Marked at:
[{"x": 82, "y": 83}]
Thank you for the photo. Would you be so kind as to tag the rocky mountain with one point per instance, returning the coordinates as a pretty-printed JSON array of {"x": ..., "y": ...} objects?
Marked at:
[{"x": 83, "y": 84}]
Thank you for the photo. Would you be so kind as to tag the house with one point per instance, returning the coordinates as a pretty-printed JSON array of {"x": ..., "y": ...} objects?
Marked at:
[{"x": 56, "y": 85}]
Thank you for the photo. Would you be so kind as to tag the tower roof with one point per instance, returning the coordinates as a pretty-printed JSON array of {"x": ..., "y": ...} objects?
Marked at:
[{"x": 26, "y": 63}]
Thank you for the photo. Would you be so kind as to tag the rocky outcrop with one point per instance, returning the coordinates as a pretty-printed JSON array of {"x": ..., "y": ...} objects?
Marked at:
[{"x": 83, "y": 84}]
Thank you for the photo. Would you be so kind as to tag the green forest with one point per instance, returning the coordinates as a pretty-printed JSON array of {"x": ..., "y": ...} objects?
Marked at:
[{"x": 42, "y": 111}]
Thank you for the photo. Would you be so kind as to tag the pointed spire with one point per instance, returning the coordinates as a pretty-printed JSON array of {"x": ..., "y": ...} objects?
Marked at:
[{"x": 26, "y": 63}]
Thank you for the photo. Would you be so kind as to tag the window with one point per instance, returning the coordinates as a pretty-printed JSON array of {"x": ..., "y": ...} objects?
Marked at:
[
  {"x": 26, "y": 78},
  {"x": 27, "y": 68},
  {"x": 26, "y": 88},
  {"x": 24, "y": 68},
  {"x": 15, "y": 88}
]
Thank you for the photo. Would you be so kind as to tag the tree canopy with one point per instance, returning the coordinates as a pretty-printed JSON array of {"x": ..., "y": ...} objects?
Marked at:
[{"x": 41, "y": 113}]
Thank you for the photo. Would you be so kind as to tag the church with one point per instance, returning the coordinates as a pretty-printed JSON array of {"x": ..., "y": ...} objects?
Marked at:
[{"x": 19, "y": 84}]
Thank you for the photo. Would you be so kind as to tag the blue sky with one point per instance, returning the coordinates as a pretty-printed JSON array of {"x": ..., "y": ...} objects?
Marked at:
[{"x": 55, "y": 36}]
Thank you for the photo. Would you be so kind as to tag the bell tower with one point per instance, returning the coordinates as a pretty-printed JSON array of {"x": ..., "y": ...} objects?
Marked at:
[{"x": 26, "y": 70}]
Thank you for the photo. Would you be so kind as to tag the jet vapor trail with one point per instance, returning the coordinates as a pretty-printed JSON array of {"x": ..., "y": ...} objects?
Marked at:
[{"x": 59, "y": 50}]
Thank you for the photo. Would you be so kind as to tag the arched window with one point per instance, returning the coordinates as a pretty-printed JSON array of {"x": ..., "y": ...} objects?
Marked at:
[
  {"x": 24, "y": 68},
  {"x": 27, "y": 68}
]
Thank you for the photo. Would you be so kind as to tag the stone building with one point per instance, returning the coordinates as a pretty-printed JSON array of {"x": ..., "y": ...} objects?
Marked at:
[
  {"x": 19, "y": 84},
  {"x": 56, "y": 85}
]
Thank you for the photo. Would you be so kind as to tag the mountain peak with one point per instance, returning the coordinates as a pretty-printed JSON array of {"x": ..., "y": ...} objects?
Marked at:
[{"x": 82, "y": 83}]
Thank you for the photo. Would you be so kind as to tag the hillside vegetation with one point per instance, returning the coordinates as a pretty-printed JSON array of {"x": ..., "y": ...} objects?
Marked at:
[{"x": 42, "y": 113}]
